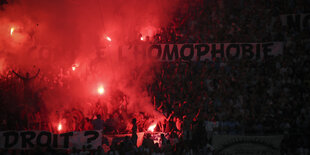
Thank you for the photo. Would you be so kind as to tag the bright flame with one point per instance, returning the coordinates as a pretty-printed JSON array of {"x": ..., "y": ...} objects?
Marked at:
[
  {"x": 141, "y": 38},
  {"x": 152, "y": 127},
  {"x": 75, "y": 66},
  {"x": 12, "y": 30},
  {"x": 109, "y": 39},
  {"x": 100, "y": 90},
  {"x": 59, "y": 127}
]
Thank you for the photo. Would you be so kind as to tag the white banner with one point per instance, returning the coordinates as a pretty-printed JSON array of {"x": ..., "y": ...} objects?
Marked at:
[
  {"x": 31, "y": 139},
  {"x": 91, "y": 139},
  {"x": 203, "y": 51},
  {"x": 298, "y": 22}
]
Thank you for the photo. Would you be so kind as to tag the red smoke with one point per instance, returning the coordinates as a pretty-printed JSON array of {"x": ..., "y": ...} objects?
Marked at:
[{"x": 53, "y": 35}]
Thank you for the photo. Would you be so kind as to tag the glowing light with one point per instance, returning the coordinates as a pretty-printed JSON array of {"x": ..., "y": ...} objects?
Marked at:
[
  {"x": 141, "y": 38},
  {"x": 59, "y": 127},
  {"x": 75, "y": 66},
  {"x": 100, "y": 90},
  {"x": 12, "y": 30},
  {"x": 152, "y": 127},
  {"x": 109, "y": 39}
]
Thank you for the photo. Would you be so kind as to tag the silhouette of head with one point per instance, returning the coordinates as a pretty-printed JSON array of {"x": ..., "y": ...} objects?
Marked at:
[
  {"x": 134, "y": 121},
  {"x": 27, "y": 75},
  {"x": 162, "y": 135}
]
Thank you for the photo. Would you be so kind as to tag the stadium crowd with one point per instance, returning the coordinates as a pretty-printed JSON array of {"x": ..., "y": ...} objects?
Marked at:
[{"x": 240, "y": 97}]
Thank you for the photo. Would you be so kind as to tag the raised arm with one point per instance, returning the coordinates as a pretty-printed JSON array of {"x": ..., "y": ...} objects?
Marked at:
[
  {"x": 170, "y": 116},
  {"x": 18, "y": 75}
]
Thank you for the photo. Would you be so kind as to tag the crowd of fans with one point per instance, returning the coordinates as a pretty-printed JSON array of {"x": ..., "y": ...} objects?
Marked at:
[
  {"x": 241, "y": 97},
  {"x": 231, "y": 21}
]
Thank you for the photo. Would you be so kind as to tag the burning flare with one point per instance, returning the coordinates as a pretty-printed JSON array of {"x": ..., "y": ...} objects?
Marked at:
[
  {"x": 141, "y": 38},
  {"x": 152, "y": 127},
  {"x": 109, "y": 39},
  {"x": 12, "y": 30},
  {"x": 59, "y": 127},
  {"x": 100, "y": 90},
  {"x": 74, "y": 66}
]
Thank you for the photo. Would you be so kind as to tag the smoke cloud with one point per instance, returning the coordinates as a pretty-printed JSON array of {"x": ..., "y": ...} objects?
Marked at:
[{"x": 68, "y": 41}]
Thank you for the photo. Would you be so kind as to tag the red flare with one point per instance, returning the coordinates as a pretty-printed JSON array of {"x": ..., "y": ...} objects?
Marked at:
[
  {"x": 59, "y": 128},
  {"x": 152, "y": 127},
  {"x": 12, "y": 30},
  {"x": 109, "y": 39},
  {"x": 74, "y": 67},
  {"x": 100, "y": 90}
]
